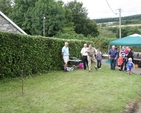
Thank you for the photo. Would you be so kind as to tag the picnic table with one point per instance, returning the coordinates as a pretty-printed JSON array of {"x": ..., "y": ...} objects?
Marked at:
[
  {"x": 137, "y": 61},
  {"x": 137, "y": 58},
  {"x": 105, "y": 56},
  {"x": 74, "y": 61}
]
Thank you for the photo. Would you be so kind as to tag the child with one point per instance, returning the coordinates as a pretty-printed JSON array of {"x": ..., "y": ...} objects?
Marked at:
[
  {"x": 120, "y": 62},
  {"x": 99, "y": 58},
  {"x": 130, "y": 65}
]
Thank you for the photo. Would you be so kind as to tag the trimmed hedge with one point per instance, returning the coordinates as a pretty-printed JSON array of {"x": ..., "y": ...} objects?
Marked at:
[
  {"x": 102, "y": 44},
  {"x": 33, "y": 54}
]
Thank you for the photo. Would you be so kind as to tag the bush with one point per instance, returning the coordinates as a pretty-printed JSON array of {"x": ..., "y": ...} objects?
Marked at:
[
  {"x": 101, "y": 44},
  {"x": 33, "y": 54}
]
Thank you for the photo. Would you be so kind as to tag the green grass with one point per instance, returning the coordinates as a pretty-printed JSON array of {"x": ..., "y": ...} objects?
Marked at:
[{"x": 79, "y": 91}]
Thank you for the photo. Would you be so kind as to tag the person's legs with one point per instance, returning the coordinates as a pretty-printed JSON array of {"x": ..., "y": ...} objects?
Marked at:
[
  {"x": 98, "y": 64},
  {"x": 95, "y": 62},
  {"x": 84, "y": 61},
  {"x": 89, "y": 63},
  {"x": 121, "y": 67},
  {"x": 125, "y": 63},
  {"x": 114, "y": 64},
  {"x": 130, "y": 72},
  {"x": 66, "y": 59},
  {"x": 111, "y": 64},
  {"x": 125, "y": 67}
]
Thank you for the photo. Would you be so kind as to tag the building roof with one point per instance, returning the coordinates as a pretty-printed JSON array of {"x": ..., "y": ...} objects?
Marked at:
[{"x": 10, "y": 21}]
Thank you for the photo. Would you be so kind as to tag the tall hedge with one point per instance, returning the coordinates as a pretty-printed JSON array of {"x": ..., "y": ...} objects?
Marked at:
[{"x": 33, "y": 54}]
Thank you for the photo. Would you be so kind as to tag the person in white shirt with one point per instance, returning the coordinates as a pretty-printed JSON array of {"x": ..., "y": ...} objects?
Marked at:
[
  {"x": 65, "y": 54},
  {"x": 84, "y": 55}
]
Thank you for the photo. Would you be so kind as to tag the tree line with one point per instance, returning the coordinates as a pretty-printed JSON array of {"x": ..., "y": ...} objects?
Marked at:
[
  {"x": 134, "y": 19},
  {"x": 50, "y": 17}
]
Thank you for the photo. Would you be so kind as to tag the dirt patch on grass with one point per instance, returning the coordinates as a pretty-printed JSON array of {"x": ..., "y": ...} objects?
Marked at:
[{"x": 133, "y": 107}]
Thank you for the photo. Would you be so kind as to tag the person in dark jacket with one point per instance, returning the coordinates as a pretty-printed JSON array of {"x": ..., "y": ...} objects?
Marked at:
[
  {"x": 129, "y": 55},
  {"x": 113, "y": 57},
  {"x": 99, "y": 59}
]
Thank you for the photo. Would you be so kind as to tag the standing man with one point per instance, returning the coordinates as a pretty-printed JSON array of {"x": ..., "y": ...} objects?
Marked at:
[
  {"x": 113, "y": 56},
  {"x": 65, "y": 54},
  {"x": 84, "y": 55},
  {"x": 91, "y": 57}
]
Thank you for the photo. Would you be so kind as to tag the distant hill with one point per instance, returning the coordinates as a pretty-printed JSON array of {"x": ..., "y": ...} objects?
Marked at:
[{"x": 134, "y": 19}]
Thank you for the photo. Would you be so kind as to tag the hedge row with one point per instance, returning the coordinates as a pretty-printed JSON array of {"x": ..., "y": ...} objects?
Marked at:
[
  {"x": 102, "y": 44},
  {"x": 33, "y": 54}
]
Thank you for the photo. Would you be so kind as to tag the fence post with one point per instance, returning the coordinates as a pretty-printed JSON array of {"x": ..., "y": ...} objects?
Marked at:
[{"x": 22, "y": 77}]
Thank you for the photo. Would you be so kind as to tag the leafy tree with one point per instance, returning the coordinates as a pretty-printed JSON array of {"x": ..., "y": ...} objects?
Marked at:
[
  {"x": 82, "y": 24},
  {"x": 125, "y": 31},
  {"x": 19, "y": 14},
  {"x": 48, "y": 16},
  {"x": 51, "y": 18},
  {"x": 90, "y": 28},
  {"x": 106, "y": 33},
  {"x": 6, "y": 6},
  {"x": 69, "y": 24},
  {"x": 39, "y": 17}
]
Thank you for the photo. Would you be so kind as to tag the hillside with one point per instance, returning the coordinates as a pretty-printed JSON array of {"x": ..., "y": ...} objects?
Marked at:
[{"x": 134, "y": 19}]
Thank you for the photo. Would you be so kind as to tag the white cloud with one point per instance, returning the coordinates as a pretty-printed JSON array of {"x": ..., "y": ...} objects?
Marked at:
[{"x": 100, "y": 8}]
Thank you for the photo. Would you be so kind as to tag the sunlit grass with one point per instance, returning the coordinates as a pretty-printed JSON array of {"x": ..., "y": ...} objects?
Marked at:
[{"x": 79, "y": 91}]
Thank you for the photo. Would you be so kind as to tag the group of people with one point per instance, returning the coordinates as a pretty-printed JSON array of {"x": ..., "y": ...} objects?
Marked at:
[
  {"x": 89, "y": 54},
  {"x": 123, "y": 58}
]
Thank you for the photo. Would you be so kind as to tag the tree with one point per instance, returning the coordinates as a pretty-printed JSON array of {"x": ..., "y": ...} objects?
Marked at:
[
  {"x": 125, "y": 31},
  {"x": 39, "y": 17},
  {"x": 106, "y": 33},
  {"x": 69, "y": 24},
  {"x": 82, "y": 24},
  {"x": 90, "y": 28},
  {"x": 6, "y": 6},
  {"x": 48, "y": 16},
  {"x": 20, "y": 13}
]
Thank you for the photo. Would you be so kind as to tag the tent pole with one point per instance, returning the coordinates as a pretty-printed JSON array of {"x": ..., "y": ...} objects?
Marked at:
[{"x": 108, "y": 48}]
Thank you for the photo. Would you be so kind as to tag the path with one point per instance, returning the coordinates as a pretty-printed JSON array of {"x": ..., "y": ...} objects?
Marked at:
[{"x": 135, "y": 70}]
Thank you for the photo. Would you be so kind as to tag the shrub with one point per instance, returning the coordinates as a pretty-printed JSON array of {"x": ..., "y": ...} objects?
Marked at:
[{"x": 33, "y": 54}]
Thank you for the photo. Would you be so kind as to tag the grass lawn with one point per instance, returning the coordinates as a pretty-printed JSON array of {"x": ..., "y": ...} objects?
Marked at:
[{"x": 79, "y": 91}]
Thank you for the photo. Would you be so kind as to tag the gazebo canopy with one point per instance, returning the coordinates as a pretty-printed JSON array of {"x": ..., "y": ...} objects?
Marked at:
[{"x": 131, "y": 40}]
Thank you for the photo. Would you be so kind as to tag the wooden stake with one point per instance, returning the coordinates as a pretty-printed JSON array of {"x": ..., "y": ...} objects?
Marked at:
[{"x": 22, "y": 82}]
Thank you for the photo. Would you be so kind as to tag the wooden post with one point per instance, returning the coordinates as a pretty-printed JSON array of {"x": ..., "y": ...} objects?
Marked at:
[{"x": 22, "y": 77}]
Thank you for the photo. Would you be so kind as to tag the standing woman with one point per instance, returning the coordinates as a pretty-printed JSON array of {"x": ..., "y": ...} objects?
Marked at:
[
  {"x": 130, "y": 54},
  {"x": 124, "y": 56},
  {"x": 84, "y": 55}
]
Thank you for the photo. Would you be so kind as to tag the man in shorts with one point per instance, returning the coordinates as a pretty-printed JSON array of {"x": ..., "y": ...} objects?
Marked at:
[{"x": 65, "y": 54}]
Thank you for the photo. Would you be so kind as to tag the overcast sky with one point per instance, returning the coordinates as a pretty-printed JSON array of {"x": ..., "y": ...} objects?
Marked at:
[{"x": 100, "y": 8}]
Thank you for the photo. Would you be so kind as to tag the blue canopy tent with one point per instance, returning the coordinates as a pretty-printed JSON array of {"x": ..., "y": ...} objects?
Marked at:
[{"x": 131, "y": 40}]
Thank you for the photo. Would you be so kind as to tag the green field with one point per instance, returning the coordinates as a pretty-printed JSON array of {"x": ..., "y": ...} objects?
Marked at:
[{"x": 79, "y": 91}]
